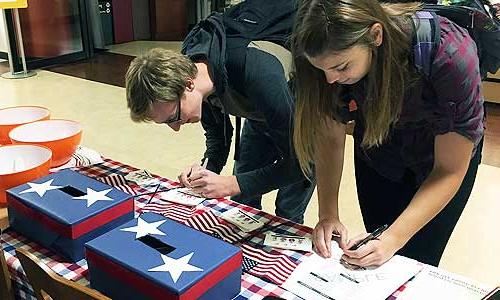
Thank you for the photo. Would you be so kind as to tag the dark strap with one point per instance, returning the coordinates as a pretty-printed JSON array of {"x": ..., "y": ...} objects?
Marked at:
[
  {"x": 425, "y": 40},
  {"x": 237, "y": 139}
]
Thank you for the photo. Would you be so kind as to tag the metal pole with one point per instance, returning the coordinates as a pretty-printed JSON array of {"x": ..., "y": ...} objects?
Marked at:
[
  {"x": 11, "y": 64},
  {"x": 19, "y": 34},
  {"x": 20, "y": 37}
]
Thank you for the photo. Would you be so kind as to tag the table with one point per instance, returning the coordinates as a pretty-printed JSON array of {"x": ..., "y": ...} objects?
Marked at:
[
  {"x": 257, "y": 282},
  {"x": 4, "y": 221}
]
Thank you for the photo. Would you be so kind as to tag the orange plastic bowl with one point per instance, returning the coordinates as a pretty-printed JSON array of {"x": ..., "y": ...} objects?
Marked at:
[
  {"x": 20, "y": 164},
  {"x": 60, "y": 136},
  {"x": 11, "y": 117}
]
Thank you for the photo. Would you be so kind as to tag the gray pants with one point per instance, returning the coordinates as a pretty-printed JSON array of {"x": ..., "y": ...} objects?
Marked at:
[{"x": 257, "y": 149}]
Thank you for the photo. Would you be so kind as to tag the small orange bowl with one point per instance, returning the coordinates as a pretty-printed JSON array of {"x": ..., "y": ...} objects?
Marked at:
[
  {"x": 20, "y": 164},
  {"x": 11, "y": 117},
  {"x": 60, "y": 136}
]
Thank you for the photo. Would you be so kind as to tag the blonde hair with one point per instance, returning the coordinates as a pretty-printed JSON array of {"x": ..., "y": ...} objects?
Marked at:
[
  {"x": 158, "y": 75},
  {"x": 323, "y": 26}
]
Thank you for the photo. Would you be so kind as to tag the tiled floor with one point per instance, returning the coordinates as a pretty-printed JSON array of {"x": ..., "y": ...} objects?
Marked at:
[{"x": 474, "y": 246}]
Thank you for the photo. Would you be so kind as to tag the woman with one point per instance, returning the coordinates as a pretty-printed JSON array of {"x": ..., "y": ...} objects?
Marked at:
[{"x": 417, "y": 138}]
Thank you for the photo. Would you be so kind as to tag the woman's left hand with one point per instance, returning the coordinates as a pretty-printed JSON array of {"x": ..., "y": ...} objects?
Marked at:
[{"x": 374, "y": 253}]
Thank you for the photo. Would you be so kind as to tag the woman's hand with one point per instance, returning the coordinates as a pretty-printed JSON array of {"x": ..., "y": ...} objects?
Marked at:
[
  {"x": 322, "y": 235},
  {"x": 374, "y": 253}
]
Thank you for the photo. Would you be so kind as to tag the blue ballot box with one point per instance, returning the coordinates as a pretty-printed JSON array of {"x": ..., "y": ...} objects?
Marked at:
[
  {"x": 64, "y": 210},
  {"x": 153, "y": 257}
]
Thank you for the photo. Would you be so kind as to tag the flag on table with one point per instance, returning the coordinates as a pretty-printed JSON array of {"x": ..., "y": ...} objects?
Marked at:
[
  {"x": 273, "y": 266},
  {"x": 270, "y": 265},
  {"x": 177, "y": 212},
  {"x": 117, "y": 181},
  {"x": 209, "y": 223}
]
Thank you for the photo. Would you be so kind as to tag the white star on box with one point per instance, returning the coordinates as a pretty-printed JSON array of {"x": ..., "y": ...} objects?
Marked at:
[
  {"x": 94, "y": 196},
  {"x": 41, "y": 188},
  {"x": 144, "y": 228},
  {"x": 176, "y": 266}
]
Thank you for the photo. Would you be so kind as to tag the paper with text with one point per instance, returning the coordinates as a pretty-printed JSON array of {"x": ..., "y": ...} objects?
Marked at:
[
  {"x": 320, "y": 278},
  {"x": 435, "y": 283}
]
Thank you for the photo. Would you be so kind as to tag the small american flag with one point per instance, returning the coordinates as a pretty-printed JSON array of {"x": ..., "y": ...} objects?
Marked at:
[
  {"x": 177, "y": 212},
  {"x": 117, "y": 181},
  {"x": 273, "y": 266},
  {"x": 209, "y": 223},
  {"x": 248, "y": 264}
]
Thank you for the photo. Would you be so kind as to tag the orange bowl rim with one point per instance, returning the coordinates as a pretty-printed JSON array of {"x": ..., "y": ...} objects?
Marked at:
[
  {"x": 21, "y": 106},
  {"x": 50, "y": 120},
  {"x": 31, "y": 145}
]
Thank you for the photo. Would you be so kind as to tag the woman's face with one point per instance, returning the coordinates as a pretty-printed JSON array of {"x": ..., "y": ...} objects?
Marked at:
[{"x": 344, "y": 67}]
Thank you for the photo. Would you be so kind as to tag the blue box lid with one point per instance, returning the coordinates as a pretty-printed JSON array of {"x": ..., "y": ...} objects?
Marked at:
[
  {"x": 68, "y": 196},
  {"x": 170, "y": 254}
]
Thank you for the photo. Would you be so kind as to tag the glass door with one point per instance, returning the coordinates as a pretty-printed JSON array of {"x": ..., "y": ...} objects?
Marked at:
[{"x": 53, "y": 32}]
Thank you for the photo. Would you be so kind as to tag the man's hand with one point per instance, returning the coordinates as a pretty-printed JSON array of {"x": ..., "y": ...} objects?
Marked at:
[
  {"x": 185, "y": 175},
  {"x": 211, "y": 185}
]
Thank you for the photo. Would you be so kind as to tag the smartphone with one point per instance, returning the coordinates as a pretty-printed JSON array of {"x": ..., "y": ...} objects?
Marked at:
[
  {"x": 493, "y": 295},
  {"x": 156, "y": 244}
]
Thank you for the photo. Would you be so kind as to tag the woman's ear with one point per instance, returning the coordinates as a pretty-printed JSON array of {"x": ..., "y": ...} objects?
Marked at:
[{"x": 377, "y": 32}]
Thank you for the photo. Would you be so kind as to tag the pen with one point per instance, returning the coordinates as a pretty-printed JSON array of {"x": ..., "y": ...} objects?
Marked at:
[
  {"x": 151, "y": 198},
  {"x": 204, "y": 164},
  {"x": 375, "y": 234}
]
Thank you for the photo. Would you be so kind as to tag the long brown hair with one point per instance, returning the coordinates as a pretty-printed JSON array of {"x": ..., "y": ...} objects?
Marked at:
[{"x": 327, "y": 26}]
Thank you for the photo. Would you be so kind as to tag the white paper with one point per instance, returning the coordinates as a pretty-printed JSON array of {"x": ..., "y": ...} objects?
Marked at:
[
  {"x": 320, "y": 278},
  {"x": 435, "y": 283},
  {"x": 289, "y": 242},
  {"x": 81, "y": 158},
  {"x": 241, "y": 219},
  {"x": 178, "y": 197}
]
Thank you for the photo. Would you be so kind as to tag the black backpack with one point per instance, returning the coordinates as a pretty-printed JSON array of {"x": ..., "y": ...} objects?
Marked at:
[{"x": 480, "y": 20}]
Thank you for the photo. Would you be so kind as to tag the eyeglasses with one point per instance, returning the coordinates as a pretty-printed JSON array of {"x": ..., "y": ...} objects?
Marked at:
[{"x": 177, "y": 115}]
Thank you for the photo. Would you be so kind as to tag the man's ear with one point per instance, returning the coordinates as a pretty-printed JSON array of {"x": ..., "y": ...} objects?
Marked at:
[
  {"x": 190, "y": 85},
  {"x": 377, "y": 32}
]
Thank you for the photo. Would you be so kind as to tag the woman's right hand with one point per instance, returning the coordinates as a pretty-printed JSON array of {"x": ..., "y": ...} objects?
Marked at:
[{"x": 322, "y": 235}]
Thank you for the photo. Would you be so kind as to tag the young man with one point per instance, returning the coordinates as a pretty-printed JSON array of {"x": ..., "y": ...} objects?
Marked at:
[{"x": 231, "y": 64}]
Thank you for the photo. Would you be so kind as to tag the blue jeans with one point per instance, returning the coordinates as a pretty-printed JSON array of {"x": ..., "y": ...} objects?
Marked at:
[{"x": 257, "y": 149}]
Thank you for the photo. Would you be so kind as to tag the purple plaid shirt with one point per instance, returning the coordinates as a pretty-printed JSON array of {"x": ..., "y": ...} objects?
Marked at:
[{"x": 449, "y": 101}]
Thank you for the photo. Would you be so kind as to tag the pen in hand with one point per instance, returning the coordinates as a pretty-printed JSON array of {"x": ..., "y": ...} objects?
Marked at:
[
  {"x": 204, "y": 165},
  {"x": 375, "y": 234}
]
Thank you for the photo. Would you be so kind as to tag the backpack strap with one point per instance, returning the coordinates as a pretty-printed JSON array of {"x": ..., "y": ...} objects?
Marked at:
[{"x": 425, "y": 41}]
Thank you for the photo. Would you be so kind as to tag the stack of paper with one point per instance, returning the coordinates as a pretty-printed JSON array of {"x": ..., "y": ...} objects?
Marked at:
[
  {"x": 434, "y": 283},
  {"x": 320, "y": 278}
]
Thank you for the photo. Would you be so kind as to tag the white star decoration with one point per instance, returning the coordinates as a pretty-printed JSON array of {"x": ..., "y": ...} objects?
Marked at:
[
  {"x": 176, "y": 266},
  {"x": 41, "y": 188},
  {"x": 144, "y": 228},
  {"x": 94, "y": 196}
]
